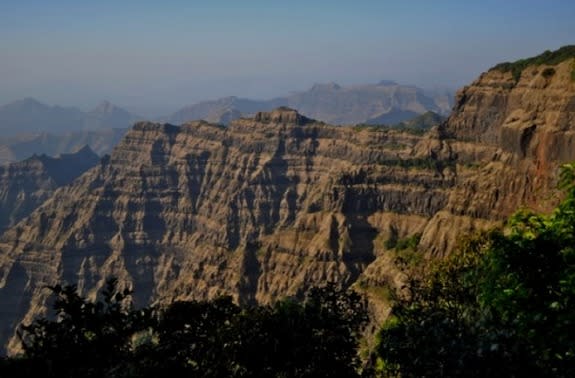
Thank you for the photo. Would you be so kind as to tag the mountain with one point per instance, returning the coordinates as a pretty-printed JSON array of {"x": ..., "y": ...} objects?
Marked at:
[
  {"x": 423, "y": 121},
  {"x": 385, "y": 101},
  {"x": 17, "y": 148},
  {"x": 277, "y": 203},
  {"x": 27, "y": 184},
  {"x": 31, "y": 116},
  {"x": 334, "y": 104},
  {"x": 394, "y": 116},
  {"x": 222, "y": 110},
  {"x": 109, "y": 116}
]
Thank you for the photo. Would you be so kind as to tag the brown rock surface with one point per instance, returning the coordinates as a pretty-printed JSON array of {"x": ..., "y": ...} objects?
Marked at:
[
  {"x": 27, "y": 184},
  {"x": 273, "y": 205}
]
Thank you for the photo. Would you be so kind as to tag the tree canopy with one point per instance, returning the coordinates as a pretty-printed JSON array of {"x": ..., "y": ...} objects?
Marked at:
[
  {"x": 316, "y": 337},
  {"x": 502, "y": 305}
]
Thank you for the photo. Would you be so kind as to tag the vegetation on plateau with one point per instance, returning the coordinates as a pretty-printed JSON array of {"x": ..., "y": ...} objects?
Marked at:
[
  {"x": 503, "y": 305},
  {"x": 550, "y": 58}
]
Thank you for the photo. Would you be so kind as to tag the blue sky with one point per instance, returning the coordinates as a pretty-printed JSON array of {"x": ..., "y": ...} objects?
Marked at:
[{"x": 155, "y": 56}]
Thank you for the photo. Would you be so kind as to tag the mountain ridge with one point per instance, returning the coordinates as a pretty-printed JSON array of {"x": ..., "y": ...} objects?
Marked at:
[
  {"x": 272, "y": 205},
  {"x": 32, "y": 116},
  {"x": 327, "y": 102}
]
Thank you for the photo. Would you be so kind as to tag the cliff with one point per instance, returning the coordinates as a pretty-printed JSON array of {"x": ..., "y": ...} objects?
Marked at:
[
  {"x": 277, "y": 203},
  {"x": 27, "y": 184}
]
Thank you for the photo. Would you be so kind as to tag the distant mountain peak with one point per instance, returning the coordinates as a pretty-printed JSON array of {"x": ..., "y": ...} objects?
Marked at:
[
  {"x": 387, "y": 83},
  {"x": 26, "y": 102},
  {"x": 106, "y": 107},
  {"x": 86, "y": 150},
  {"x": 331, "y": 86}
]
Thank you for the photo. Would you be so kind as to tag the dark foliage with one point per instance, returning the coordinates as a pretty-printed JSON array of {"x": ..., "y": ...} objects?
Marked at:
[
  {"x": 504, "y": 305},
  {"x": 550, "y": 58},
  {"x": 315, "y": 338}
]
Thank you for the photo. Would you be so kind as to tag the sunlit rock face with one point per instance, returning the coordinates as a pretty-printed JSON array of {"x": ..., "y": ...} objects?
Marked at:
[{"x": 275, "y": 204}]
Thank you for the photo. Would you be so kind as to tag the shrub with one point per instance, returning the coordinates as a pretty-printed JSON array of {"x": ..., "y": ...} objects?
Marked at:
[{"x": 548, "y": 72}]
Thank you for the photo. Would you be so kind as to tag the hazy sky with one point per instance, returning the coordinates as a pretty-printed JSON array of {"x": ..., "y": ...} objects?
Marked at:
[{"x": 155, "y": 56}]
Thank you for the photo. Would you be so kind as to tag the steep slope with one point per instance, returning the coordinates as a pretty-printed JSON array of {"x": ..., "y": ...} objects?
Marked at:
[
  {"x": 26, "y": 185},
  {"x": 262, "y": 209},
  {"x": 277, "y": 203}
]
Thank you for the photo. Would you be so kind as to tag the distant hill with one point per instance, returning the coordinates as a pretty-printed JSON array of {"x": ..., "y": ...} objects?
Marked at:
[
  {"x": 31, "y": 116},
  {"x": 21, "y": 147},
  {"x": 392, "y": 117},
  {"x": 421, "y": 122},
  {"x": 222, "y": 110},
  {"x": 384, "y": 102},
  {"x": 107, "y": 115}
]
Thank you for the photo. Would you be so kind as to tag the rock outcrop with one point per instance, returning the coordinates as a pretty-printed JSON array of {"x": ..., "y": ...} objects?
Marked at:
[
  {"x": 277, "y": 203},
  {"x": 27, "y": 184}
]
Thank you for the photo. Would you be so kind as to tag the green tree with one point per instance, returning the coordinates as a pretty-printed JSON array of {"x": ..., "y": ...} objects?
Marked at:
[
  {"x": 503, "y": 305},
  {"x": 317, "y": 337}
]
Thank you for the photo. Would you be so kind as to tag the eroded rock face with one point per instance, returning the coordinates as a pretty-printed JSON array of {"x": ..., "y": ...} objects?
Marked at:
[
  {"x": 273, "y": 205},
  {"x": 27, "y": 184},
  {"x": 263, "y": 209}
]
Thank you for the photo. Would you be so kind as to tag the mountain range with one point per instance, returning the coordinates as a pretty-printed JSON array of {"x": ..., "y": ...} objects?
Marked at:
[
  {"x": 21, "y": 147},
  {"x": 30, "y": 127},
  {"x": 28, "y": 116},
  {"x": 278, "y": 202},
  {"x": 384, "y": 102}
]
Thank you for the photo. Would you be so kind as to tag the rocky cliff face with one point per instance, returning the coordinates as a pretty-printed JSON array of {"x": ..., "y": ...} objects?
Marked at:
[
  {"x": 26, "y": 185},
  {"x": 277, "y": 203}
]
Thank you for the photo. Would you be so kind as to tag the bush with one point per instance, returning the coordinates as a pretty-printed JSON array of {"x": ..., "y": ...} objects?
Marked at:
[
  {"x": 503, "y": 305},
  {"x": 550, "y": 58},
  {"x": 548, "y": 72},
  {"x": 317, "y": 337}
]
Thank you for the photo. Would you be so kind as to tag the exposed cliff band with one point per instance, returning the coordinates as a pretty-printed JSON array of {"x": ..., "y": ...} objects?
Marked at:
[{"x": 273, "y": 205}]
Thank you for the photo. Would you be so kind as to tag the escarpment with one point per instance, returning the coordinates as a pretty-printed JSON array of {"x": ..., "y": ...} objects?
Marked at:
[
  {"x": 275, "y": 204},
  {"x": 27, "y": 184}
]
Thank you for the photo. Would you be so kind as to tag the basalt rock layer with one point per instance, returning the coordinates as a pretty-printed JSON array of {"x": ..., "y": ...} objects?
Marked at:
[
  {"x": 273, "y": 205},
  {"x": 27, "y": 184}
]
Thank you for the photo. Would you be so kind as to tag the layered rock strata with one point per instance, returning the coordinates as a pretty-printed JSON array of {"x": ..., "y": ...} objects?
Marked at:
[
  {"x": 273, "y": 205},
  {"x": 27, "y": 184}
]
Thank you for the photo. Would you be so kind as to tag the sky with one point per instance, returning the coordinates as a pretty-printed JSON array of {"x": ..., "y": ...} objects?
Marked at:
[{"x": 153, "y": 57}]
